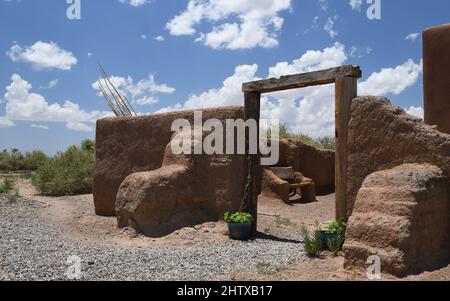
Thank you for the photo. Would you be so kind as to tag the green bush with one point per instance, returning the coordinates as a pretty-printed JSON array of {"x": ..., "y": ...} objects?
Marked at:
[
  {"x": 14, "y": 160},
  {"x": 312, "y": 241},
  {"x": 67, "y": 173},
  {"x": 238, "y": 218},
  {"x": 335, "y": 243},
  {"x": 285, "y": 133},
  {"x": 34, "y": 160},
  {"x": 7, "y": 185}
]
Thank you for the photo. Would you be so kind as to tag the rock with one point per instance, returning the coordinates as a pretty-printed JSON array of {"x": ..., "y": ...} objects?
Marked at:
[
  {"x": 128, "y": 145},
  {"x": 401, "y": 215},
  {"x": 382, "y": 136}
]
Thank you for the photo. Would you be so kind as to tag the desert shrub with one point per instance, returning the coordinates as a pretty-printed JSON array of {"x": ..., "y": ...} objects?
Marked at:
[
  {"x": 67, "y": 173},
  {"x": 14, "y": 160},
  {"x": 33, "y": 160},
  {"x": 328, "y": 143},
  {"x": 312, "y": 241},
  {"x": 4, "y": 160},
  {"x": 285, "y": 133},
  {"x": 7, "y": 185}
]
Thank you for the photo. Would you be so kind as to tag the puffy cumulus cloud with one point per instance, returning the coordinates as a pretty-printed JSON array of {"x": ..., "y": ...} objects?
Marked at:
[
  {"x": 309, "y": 110},
  {"x": 5, "y": 123},
  {"x": 416, "y": 111},
  {"x": 43, "y": 56},
  {"x": 142, "y": 92},
  {"x": 392, "y": 80},
  {"x": 258, "y": 26},
  {"x": 412, "y": 36},
  {"x": 23, "y": 105},
  {"x": 135, "y": 3}
]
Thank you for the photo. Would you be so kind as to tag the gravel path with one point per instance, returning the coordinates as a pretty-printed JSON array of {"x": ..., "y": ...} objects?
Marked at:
[{"x": 33, "y": 249}]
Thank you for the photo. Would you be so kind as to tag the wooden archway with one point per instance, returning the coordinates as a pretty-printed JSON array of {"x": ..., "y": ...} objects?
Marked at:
[{"x": 346, "y": 80}]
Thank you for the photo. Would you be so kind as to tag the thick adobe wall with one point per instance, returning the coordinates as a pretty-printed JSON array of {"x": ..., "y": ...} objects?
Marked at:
[{"x": 130, "y": 145}]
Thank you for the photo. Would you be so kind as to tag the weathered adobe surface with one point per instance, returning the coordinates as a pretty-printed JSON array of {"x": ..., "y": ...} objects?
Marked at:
[
  {"x": 382, "y": 136},
  {"x": 187, "y": 190},
  {"x": 129, "y": 145},
  {"x": 313, "y": 163},
  {"x": 436, "y": 76},
  {"x": 401, "y": 215}
]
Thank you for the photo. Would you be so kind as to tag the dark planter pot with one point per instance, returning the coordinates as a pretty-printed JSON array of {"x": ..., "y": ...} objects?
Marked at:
[
  {"x": 240, "y": 231},
  {"x": 325, "y": 236}
]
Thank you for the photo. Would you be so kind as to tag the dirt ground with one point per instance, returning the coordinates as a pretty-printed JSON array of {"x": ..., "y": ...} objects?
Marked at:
[{"x": 75, "y": 214}]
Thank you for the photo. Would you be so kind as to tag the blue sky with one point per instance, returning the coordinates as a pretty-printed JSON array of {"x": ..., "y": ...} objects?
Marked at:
[{"x": 182, "y": 54}]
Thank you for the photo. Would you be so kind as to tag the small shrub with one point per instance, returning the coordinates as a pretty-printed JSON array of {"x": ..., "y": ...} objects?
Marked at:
[
  {"x": 34, "y": 160},
  {"x": 312, "y": 241},
  {"x": 328, "y": 143},
  {"x": 68, "y": 173},
  {"x": 238, "y": 218},
  {"x": 263, "y": 267},
  {"x": 7, "y": 185},
  {"x": 281, "y": 221},
  {"x": 335, "y": 244}
]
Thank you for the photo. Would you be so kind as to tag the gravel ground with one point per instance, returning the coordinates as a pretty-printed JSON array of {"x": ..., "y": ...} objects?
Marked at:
[{"x": 33, "y": 249}]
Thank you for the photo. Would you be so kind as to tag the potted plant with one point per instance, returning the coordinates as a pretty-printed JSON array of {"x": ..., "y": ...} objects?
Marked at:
[
  {"x": 239, "y": 225},
  {"x": 333, "y": 236}
]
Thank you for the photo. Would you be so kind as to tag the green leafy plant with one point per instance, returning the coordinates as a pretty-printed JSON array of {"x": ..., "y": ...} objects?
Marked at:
[
  {"x": 281, "y": 221},
  {"x": 238, "y": 218},
  {"x": 335, "y": 242},
  {"x": 336, "y": 227},
  {"x": 312, "y": 241},
  {"x": 67, "y": 173},
  {"x": 263, "y": 267},
  {"x": 7, "y": 185}
]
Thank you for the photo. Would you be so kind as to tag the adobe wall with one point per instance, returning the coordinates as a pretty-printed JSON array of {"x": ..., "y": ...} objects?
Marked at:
[
  {"x": 316, "y": 164},
  {"x": 436, "y": 75},
  {"x": 129, "y": 145},
  {"x": 382, "y": 136}
]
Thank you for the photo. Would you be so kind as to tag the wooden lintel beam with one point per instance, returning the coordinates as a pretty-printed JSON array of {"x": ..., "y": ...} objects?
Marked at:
[{"x": 315, "y": 78}]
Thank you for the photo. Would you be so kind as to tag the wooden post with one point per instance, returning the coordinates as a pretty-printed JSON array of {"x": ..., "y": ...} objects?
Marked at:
[
  {"x": 346, "y": 91},
  {"x": 252, "y": 111}
]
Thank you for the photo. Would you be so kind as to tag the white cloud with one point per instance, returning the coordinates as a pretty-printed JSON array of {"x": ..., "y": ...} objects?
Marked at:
[
  {"x": 51, "y": 84},
  {"x": 329, "y": 27},
  {"x": 356, "y": 4},
  {"x": 309, "y": 110},
  {"x": 324, "y": 5},
  {"x": 144, "y": 36},
  {"x": 412, "y": 36},
  {"x": 39, "y": 126},
  {"x": 392, "y": 80},
  {"x": 142, "y": 92},
  {"x": 416, "y": 111},
  {"x": 43, "y": 56},
  {"x": 159, "y": 38},
  {"x": 360, "y": 52},
  {"x": 135, "y": 3},
  {"x": 23, "y": 105},
  {"x": 5, "y": 123},
  {"x": 258, "y": 22}
]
